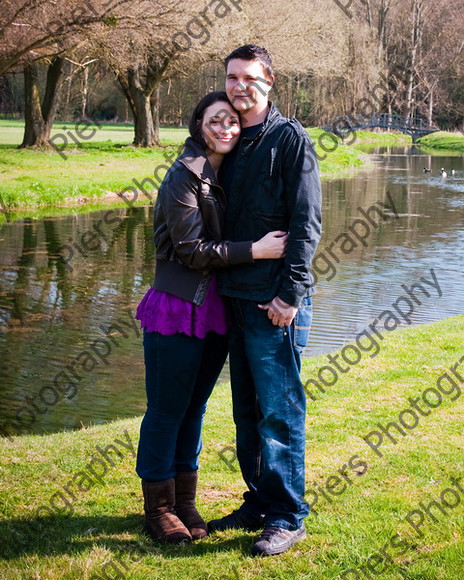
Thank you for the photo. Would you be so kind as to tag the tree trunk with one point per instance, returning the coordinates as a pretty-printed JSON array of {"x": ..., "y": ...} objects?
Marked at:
[
  {"x": 155, "y": 111},
  {"x": 139, "y": 84},
  {"x": 34, "y": 122},
  {"x": 85, "y": 92},
  {"x": 6, "y": 106},
  {"x": 382, "y": 32},
  {"x": 126, "y": 112},
  {"x": 139, "y": 99},
  {"x": 430, "y": 106},
  {"x": 145, "y": 135},
  {"x": 415, "y": 40},
  {"x": 39, "y": 116},
  {"x": 66, "y": 107}
]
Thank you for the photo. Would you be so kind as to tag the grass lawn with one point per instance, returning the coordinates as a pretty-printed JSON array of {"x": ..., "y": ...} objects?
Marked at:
[
  {"x": 444, "y": 140},
  {"x": 99, "y": 169},
  {"x": 358, "y": 520}
]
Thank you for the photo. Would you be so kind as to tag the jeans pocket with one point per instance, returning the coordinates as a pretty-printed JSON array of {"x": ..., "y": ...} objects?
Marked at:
[{"x": 302, "y": 324}]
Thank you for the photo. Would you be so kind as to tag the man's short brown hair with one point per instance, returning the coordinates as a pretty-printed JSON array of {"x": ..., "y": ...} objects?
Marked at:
[{"x": 252, "y": 52}]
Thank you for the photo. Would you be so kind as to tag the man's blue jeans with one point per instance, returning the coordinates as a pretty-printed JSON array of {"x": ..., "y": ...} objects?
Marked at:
[
  {"x": 269, "y": 411},
  {"x": 180, "y": 373}
]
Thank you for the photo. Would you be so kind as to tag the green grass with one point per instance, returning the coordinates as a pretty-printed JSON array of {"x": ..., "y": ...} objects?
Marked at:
[
  {"x": 97, "y": 170},
  {"x": 106, "y": 523},
  {"x": 12, "y": 132},
  {"x": 336, "y": 159},
  {"x": 43, "y": 178},
  {"x": 379, "y": 139},
  {"x": 443, "y": 140}
]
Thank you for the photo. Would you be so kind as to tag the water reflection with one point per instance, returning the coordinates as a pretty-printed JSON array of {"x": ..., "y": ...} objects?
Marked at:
[
  {"x": 428, "y": 234},
  {"x": 52, "y": 307}
]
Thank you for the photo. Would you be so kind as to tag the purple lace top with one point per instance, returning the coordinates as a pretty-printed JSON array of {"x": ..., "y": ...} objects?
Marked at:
[{"x": 168, "y": 314}]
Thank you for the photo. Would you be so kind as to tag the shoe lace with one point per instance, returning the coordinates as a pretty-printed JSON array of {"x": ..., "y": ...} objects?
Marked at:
[{"x": 269, "y": 532}]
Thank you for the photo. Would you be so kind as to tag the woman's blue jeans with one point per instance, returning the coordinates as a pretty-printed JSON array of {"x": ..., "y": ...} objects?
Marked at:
[{"x": 180, "y": 373}]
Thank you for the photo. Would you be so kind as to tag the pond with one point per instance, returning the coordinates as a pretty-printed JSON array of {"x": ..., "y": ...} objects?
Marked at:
[{"x": 70, "y": 286}]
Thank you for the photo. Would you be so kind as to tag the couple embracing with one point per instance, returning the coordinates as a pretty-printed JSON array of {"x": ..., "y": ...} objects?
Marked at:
[{"x": 237, "y": 222}]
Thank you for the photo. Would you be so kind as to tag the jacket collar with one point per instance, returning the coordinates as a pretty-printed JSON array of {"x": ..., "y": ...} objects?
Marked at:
[
  {"x": 272, "y": 115},
  {"x": 194, "y": 158}
]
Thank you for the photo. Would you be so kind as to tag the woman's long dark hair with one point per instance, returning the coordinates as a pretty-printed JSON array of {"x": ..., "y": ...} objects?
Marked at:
[{"x": 198, "y": 112}]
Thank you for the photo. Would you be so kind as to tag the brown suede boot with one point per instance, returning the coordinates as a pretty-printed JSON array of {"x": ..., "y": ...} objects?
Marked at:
[
  {"x": 186, "y": 489},
  {"x": 161, "y": 521}
]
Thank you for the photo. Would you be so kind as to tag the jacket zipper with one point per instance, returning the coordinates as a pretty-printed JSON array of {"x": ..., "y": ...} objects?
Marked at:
[{"x": 273, "y": 156}]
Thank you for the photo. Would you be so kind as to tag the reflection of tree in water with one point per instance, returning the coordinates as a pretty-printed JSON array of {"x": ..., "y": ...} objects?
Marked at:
[
  {"x": 67, "y": 305},
  {"x": 15, "y": 297},
  {"x": 55, "y": 261},
  {"x": 108, "y": 280},
  {"x": 139, "y": 237},
  {"x": 131, "y": 224},
  {"x": 148, "y": 246},
  {"x": 20, "y": 295}
]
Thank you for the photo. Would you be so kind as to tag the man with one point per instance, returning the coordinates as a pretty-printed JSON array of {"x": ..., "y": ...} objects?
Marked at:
[{"x": 272, "y": 183}]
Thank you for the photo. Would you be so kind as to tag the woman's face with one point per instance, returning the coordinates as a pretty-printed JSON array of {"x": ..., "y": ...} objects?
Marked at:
[{"x": 220, "y": 127}]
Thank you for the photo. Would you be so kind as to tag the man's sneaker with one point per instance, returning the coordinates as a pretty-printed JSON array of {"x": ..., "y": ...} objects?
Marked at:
[
  {"x": 275, "y": 540},
  {"x": 238, "y": 519}
]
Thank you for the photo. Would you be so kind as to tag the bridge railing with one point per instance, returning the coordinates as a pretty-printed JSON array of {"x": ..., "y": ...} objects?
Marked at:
[{"x": 413, "y": 125}]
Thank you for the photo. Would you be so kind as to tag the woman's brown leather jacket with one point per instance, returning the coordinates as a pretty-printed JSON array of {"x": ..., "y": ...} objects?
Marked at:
[{"x": 188, "y": 228}]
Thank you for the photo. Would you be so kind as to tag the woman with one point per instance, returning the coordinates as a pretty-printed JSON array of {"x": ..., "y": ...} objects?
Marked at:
[{"x": 185, "y": 320}]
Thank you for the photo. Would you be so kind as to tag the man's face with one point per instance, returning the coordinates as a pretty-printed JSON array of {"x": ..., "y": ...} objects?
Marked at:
[{"x": 247, "y": 84}]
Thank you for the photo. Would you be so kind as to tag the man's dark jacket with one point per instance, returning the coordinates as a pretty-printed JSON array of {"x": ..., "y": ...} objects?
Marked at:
[{"x": 275, "y": 186}]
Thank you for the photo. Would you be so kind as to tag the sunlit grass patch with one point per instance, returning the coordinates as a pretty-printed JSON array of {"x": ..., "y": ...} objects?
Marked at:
[{"x": 344, "y": 530}]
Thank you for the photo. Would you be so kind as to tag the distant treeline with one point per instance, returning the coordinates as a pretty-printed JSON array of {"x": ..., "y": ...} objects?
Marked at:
[{"x": 148, "y": 62}]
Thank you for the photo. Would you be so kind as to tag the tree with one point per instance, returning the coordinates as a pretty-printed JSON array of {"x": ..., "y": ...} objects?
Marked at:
[
  {"x": 140, "y": 84},
  {"x": 38, "y": 33},
  {"x": 31, "y": 30},
  {"x": 186, "y": 36},
  {"x": 440, "y": 62},
  {"x": 39, "y": 115},
  {"x": 420, "y": 47}
]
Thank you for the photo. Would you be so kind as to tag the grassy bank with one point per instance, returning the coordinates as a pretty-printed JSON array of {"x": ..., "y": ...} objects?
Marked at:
[
  {"x": 98, "y": 170},
  {"x": 80, "y": 174},
  {"x": 380, "y": 139},
  {"x": 443, "y": 140},
  {"x": 92, "y": 172},
  {"x": 356, "y": 521}
]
